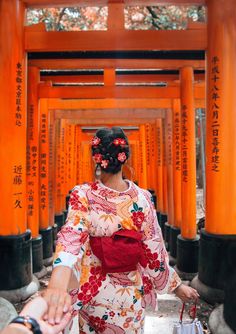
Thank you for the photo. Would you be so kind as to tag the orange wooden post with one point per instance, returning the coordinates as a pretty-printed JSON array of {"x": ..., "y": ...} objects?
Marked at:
[
  {"x": 159, "y": 136},
  {"x": 57, "y": 157},
  {"x": 66, "y": 151},
  {"x": 78, "y": 153},
  {"x": 51, "y": 167},
  {"x": 55, "y": 172},
  {"x": 32, "y": 178},
  {"x": 33, "y": 152},
  {"x": 153, "y": 154},
  {"x": 88, "y": 172},
  {"x": 15, "y": 243},
  {"x": 164, "y": 166},
  {"x": 63, "y": 163},
  {"x": 188, "y": 242},
  {"x": 44, "y": 217},
  {"x": 176, "y": 147},
  {"x": 133, "y": 138},
  {"x": 74, "y": 156},
  {"x": 176, "y": 144},
  {"x": 87, "y": 166},
  {"x": 143, "y": 167},
  {"x": 148, "y": 155},
  {"x": 69, "y": 156},
  {"x": 218, "y": 240},
  {"x": 109, "y": 77},
  {"x": 135, "y": 159},
  {"x": 169, "y": 168},
  {"x": 115, "y": 16}
]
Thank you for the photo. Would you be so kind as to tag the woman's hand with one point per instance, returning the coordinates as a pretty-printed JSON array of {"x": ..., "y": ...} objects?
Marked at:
[
  {"x": 59, "y": 303},
  {"x": 36, "y": 309},
  {"x": 186, "y": 293}
]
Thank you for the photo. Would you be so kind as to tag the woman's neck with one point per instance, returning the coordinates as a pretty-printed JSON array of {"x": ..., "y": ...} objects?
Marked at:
[{"x": 114, "y": 181}]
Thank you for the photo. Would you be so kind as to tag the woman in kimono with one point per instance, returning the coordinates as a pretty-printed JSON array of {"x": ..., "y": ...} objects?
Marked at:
[{"x": 110, "y": 301}]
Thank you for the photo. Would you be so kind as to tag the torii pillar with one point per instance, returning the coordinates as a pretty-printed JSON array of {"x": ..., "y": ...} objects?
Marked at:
[
  {"x": 217, "y": 258},
  {"x": 188, "y": 241},
  {"x": 176, "y": 147},
  {"x": 15, "y": 239}
]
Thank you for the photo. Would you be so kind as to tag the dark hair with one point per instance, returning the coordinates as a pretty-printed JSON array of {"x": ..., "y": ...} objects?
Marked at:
[{"x": 110, "y": 145}]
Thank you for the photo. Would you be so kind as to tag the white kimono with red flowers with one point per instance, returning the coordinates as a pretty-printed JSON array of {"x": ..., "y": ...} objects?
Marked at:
[{"x": 113, "y": 303}]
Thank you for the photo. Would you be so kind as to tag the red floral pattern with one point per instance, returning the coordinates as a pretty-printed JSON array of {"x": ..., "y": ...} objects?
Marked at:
[
  {"x": 76, "y": 203},
  {"x": 147, "y": 285},
  {"x": 90, "y": 288},
  {"x": 152, "y": 258},
  {"x": 138, "y": 218},
  {"x": 94, "y": 185},
  {"x": 99, "y": 325}
]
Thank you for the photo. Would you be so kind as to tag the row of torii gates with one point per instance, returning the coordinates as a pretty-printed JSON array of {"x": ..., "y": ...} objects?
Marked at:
[{"x": 46, "y": 128}]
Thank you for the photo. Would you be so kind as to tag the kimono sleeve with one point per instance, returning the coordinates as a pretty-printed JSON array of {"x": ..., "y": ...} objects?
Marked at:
[
  {"x": 72, "y": 238},
  {"x": 163, "y": 276}
]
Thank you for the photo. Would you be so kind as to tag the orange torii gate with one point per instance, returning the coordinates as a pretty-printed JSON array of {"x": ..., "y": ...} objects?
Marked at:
[{"x": 220, "y": 213}]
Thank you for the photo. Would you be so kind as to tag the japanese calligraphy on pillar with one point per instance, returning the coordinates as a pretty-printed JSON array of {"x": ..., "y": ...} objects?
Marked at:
[
  {"x": 17, "y": 181},
  {"x": 164, "y": 143},
  {"x": 177, "y": 141},
  {"x": 58, "y": 163},
  {"x": 69, "y": 153},
  {"x": 169, "y": 143},
  {"x": 32, "y": 167},
  {"x": 147, "y": 137},
  {"x": 19, "y": 77},
  {"x": 184, "y": 133},
  {"x": 141, "y": 156},
  {"x": 32, "y": 162},
  {"x": 62, "y": 161},
  {"x": 43, "y": 164},
  {"x": 215, "y": 109},
  {"x": 159, "y": 141},
  {"x": 30, "y": 122},
  {"x": 152, "y": 143},
  {"x": 51, "y": 165}
]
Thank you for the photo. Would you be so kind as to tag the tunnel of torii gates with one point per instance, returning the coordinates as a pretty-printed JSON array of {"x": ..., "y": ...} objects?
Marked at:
[{"x": 46, "y": 129}]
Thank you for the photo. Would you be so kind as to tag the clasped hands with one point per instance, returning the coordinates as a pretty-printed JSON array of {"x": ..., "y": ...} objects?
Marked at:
[{"x": 53, "y": 311}]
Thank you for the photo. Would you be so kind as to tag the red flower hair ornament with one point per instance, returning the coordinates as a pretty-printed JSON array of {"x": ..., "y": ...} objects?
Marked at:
[
  {"x": 104, "y": 163},
  {"x": 122, "y": 157},
  {"x": 97, "y": 157},
  {"x": 96, "y": 141},
  {"x": 119, "y": 141}
]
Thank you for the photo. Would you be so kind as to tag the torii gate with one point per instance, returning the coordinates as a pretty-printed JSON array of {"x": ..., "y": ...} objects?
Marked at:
[{"x": 218, "y": 239}]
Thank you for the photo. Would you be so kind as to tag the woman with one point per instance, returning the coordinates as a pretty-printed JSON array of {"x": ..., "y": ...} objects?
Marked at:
[{"x": 111, "y": 302}]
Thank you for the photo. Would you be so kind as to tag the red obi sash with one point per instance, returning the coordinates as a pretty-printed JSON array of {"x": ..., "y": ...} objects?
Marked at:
[{"x": 119, "y": 253}]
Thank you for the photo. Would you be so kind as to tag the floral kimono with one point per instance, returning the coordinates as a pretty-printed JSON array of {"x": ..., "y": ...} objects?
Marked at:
[{"x": 113, "y": 302}]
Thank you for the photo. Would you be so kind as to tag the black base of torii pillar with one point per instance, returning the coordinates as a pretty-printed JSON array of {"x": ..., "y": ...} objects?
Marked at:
[
  {"x": 187, "y": 257},
  {"x": 16, "y": 280},
  {"x": 217, "y": 278},
  {"x": 217, "y": 273}
]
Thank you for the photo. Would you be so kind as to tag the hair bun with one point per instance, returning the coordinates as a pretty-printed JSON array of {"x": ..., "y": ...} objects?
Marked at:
[{"x": 110, "y": 149}]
